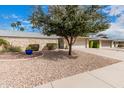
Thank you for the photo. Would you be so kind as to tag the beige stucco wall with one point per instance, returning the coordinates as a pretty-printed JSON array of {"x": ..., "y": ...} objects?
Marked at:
[{"x": 24, "y": 42}]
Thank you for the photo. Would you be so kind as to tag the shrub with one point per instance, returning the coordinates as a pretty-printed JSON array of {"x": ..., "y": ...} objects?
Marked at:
[
  {"x": 34, "y": 47},
  {"x": 51, "y": 46},
  {"x": 12, "y": 49},
  {"x": 90, "y": 44},
  {"x": 93, "y": 44},
  {"x": 5, "y": 43},
  {"x": 28, "y": 48}
]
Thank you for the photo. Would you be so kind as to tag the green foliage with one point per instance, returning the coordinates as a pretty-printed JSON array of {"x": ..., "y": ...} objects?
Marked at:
[
  {"x": 12, "y": 49},
  {"x": 72, "y": 20},
  {"x": 51, "y": 46},
  {"x": 93, "y": 44},
  {"x": 9, "y": 48},
  {"x": 38, "y": 18},
  {"x": 90, "y": 44},
  {"x": 34, "y": 47},
  {"x": 4, "y": 42}
]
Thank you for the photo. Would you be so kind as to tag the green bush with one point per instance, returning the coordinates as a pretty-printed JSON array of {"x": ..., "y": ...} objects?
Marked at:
[
  {"x": 12, "y": 49},
  {"x": 90, "y": 44},
  {"x": 28, "y": 48},
  {"x": 51, "y": 46},
  {"x": 93, "y": 44},
  {"x": 4, "y": 42},
  {"x": 34, "y": 47}
]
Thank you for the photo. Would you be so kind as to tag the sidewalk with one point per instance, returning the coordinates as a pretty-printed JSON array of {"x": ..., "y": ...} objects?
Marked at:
[{"x": 107, "y": 77}]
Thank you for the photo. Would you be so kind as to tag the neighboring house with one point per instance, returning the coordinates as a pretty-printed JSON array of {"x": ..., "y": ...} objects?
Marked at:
[
  {"x": 103, "y": 42},
  {"x": 23, "y": 39},
  {"x": 119, "y": 43}
]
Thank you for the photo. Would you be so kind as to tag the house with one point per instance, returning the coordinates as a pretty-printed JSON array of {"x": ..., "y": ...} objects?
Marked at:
[
  {"x": 23, "y": 39},
  {"x": 119, "y": 43}
]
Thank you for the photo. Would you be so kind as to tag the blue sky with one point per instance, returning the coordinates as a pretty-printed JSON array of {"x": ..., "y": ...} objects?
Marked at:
[{"x": 13, "y": 13}]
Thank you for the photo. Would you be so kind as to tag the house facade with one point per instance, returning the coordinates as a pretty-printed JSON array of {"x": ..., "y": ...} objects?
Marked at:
[{"x": 23, "y": 39}]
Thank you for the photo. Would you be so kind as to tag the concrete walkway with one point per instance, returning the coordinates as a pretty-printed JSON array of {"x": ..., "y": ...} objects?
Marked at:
[{"x": 107, "y": 77}]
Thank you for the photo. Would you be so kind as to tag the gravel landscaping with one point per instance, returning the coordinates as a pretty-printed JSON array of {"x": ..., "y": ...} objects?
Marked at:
[
  {"x": 18, "y": 55},
  {"x": 51, "y": 66}
]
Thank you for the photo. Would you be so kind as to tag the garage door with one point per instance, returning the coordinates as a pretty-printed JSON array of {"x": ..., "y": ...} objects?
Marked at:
[
  {"x": 106, "y": 44},
  {"x": 80, "y": 42}
]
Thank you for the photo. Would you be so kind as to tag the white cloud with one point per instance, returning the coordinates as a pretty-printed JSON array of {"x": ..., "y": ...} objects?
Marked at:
[
  {"x": 25, "y": 21},
  {"x": 13, "y": 16},
  {"x": 4, "y": 16},
  {"x": 116, "y": 29},
  {"x": 116, "y": 10}
]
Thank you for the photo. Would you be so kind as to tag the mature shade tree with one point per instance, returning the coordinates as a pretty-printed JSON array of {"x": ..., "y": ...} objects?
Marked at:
[{"x": 71, "y": 21}]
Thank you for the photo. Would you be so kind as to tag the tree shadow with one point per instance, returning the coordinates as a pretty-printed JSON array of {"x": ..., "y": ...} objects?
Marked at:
[{"x": 55, "y": 55}]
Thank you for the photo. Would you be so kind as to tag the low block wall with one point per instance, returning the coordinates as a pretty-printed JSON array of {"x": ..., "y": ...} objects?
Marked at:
[{"x": 24, "y": 42}]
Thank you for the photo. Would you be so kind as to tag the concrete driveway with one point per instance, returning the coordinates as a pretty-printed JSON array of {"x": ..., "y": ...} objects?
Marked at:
[
  {"x": 107, "y": 77},
  {"x": 106, "y": 52}
]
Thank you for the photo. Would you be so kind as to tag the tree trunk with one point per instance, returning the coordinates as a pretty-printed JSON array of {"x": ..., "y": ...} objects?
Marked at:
[{"x": 70, "y": 49}]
